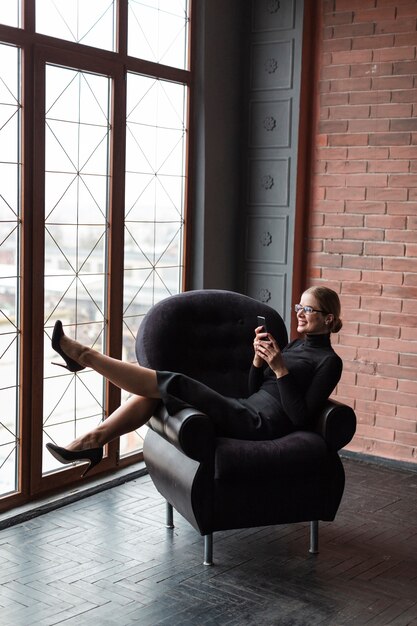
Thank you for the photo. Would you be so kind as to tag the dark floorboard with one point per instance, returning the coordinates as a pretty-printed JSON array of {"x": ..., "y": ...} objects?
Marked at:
[{"x": 109, "y": 560}]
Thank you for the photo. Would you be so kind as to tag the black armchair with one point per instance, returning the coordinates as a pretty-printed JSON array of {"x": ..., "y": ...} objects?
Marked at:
[{"x": 218, "y": 483}]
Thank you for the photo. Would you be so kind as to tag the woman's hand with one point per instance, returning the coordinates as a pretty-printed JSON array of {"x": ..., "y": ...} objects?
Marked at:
[{"x": 267, "y": 349}]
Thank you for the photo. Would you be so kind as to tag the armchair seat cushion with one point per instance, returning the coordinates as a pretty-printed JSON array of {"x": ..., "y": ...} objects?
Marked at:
[{"x": 296, "y": 454}]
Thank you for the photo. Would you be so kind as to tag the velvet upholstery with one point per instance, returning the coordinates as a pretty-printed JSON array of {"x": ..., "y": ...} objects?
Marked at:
[{"x": 218, "y": 483}]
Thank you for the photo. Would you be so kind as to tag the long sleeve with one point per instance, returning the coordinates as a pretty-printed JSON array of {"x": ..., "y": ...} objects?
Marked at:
[
  {"x": 256, "y": 378},
  {"x": 302, "y": 408}
]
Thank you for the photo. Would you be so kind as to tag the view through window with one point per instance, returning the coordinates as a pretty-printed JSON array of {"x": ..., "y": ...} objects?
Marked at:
[{"x": 110, "y": 137}]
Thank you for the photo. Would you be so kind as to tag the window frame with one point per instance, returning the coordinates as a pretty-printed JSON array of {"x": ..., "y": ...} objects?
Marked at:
[{"x": 37, "y": 50}]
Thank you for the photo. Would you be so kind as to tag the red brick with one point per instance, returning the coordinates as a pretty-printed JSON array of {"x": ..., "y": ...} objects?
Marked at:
[
  {"x": 398, "y": 345},
  {"x": 351, "y": 5},
  {"x": 410, "y": 279},
  {"x": 350, "y": 112},
  {"x": 374, "y": 15},
  {"x": 376, "y": 432},
  {"x": 371, "y": 69},
  {"x": 371, "y": 125},
  {"x": 353, "y": 84},
  {"x": 325, "y": 260},
  {"x": 408, "y": 360},
  {"x": 371, "y": 43},
  {"x": 386, "y": 221},
  {"x": 404, "y": 95},
  {"x": 351, "y": 193},
  {"x": 400, "y": 291},
  {"x": 357, "y": 367},
  {"x": 335, "y": 71},
  {"x": 334, "y": 167},
  {"x": 365, "y": 207},
  {"x": 406, "y": 236},
  {"x": 405, "y": 40},
  {"x": 394, "y": 397},
  {"x": 400, "y": 208},
  {"x": 391, "y": 110},
  {"x": 366, "y": 235},
  {"x": 392, "y": 278},
  {"x": 362, "y": 262},
  {"x": 331, "y": 153},
  {"x": 409, "y": 9},
  {"x": 392, "y": 82},
  {"x": 377, "y": 408},
  {"x": 398, "y": 423},
  {"x": 341, "y": 274},
  {"x": 406, "y": 438},
  {"x": 366, "y": 180},
  {"x": 368, "y": 153},
  {"x": 335, "y": 45},
  {"x": 392, "y": 450},
  {"x": 331, "y": 19},
  {"x": 351, "y": 57},
  {"x": 324, "y": 232},
  {"x": 384, "y": 249},
  {"x": 381, "y": 304},
  {"x": 351, "y": 391},
  {"x": 407, "y": 413},
  {"x": 369, "y": 97},
  {"x": 403, "y": 152},
  {"x": 378, "y": 193},
  {"x": 353, "y": 30},
  {"x": 392, "y": 54},
  {"x": 405, "y": 25},
  {"x": 332, "y": 126},
  {"x": 376, "y": 382},
  {"x": 357, "y": 139},
  {"x": 333, "y": 99},
  {"x": 409, "y": 373},
  {"x": 392, "y": 319},
  {"x": 388, "y": 166},
  {"x": 362, "y": 288},
  {"x": 404, "y": 125},
  {"x": 343, "y": 247},
  {"x": 403, "y": 180},
  {"x": 334, "y": 206},
  {"x": 405, "y": 67},
  {"x": 407, "y": 386},
  {"x": 388, "y": 139},
  {"x": 344, "y": 219},
  {"x": 378, "y": 330}
]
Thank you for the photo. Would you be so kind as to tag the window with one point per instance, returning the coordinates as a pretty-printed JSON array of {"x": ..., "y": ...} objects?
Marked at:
[{"x": 93, "y": 188}]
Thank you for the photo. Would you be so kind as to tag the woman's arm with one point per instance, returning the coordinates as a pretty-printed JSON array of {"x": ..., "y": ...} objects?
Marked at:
[{"x": 300, "y": 409}]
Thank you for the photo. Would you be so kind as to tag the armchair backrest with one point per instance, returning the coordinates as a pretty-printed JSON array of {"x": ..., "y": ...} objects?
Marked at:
[{"x": 207, "y": 334}]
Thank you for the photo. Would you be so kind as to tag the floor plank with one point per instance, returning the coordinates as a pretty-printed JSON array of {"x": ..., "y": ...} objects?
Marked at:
[{"x": 108, "y": 559}]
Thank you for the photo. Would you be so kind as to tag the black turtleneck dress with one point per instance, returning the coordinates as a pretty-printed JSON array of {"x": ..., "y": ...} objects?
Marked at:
[{"x": 274, "y": 406}]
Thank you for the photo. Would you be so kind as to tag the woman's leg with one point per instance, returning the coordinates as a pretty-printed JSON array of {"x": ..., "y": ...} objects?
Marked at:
[
  {"x": 131, "y": 377},
  {"x": 131, "y": 415}
]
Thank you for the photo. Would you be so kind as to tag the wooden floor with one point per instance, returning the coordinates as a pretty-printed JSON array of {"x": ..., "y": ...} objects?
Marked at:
[{"x": 108, "y": 559}]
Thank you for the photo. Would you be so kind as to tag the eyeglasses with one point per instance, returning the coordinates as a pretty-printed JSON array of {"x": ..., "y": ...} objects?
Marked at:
[{"x": 307, "y": 309}]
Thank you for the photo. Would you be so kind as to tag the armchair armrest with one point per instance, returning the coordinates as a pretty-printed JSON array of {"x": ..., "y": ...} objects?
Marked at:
[
  {"x": 336, "y": 424},
  {"x": 189, "y": 430}
]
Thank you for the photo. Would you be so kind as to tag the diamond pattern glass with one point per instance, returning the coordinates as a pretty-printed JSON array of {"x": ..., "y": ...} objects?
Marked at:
[
  {"x": 90, "y": 22},
  {"x": 76, "y": 225},
  {"x": 158, "y": 31},
  {"x": 10, "y": 168},
  {"x": 154, "y": 204}
]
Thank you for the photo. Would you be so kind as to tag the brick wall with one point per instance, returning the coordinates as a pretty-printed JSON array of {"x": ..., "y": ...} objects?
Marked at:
[{"x": 363, "y": 221}]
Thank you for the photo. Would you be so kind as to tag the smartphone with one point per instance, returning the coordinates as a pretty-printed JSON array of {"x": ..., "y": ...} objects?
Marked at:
[{"x": 262, "y": 322}]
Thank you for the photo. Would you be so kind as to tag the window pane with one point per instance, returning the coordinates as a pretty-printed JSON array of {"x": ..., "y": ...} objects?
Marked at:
[
  {"x": 10, "y": 12},
  {"x": 9, "y": 264},
  {"x": 90, "y": 22},
  {"x": 76, "y": 225},
  {"x": 154, "y": 203},
  {"x": 158, "y": 31}
]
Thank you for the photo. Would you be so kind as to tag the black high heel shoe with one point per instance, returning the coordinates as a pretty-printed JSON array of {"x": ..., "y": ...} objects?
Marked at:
[
  {"x": 93, "y": 456},
  {"x": 57, "y": 335}
]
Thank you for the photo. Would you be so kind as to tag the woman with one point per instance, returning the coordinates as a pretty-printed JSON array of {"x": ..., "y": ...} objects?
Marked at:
[{"x": 287, "y": 388}]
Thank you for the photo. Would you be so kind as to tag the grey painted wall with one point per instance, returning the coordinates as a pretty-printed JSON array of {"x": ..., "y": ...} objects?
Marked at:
[{"x": 218, "y": 96}]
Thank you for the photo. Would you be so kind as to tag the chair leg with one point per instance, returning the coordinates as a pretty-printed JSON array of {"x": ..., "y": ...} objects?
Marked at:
[
  {"x": 314, "y": 537},
  {"x": 208, "y": 549},
  {"x": 169, "y": 516}
]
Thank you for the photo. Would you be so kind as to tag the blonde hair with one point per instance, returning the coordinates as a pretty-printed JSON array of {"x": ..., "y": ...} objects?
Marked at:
[{"x": 328, "y": 301}]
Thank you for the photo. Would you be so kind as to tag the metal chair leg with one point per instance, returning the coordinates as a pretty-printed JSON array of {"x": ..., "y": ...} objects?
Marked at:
[
  {"x": 208, "y": 549},
  {"x": 314, "y": 537},
  {"x": 169, "y": 516}
]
